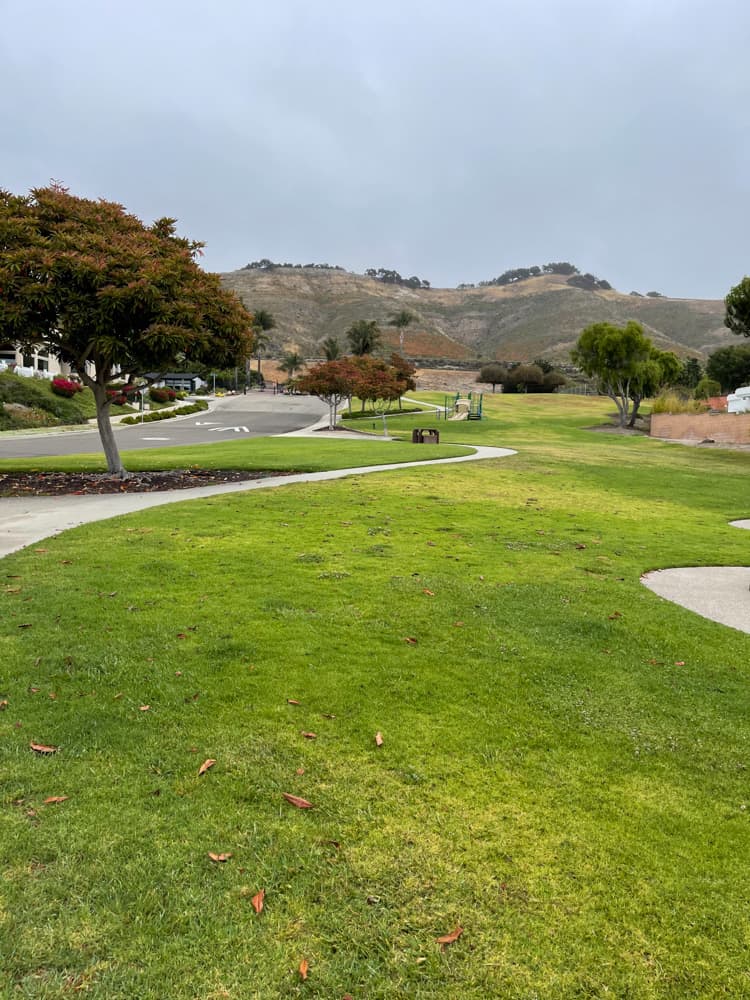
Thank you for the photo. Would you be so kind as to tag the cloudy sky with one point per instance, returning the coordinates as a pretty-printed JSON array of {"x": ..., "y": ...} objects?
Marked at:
[{"x": 451, "y": 140}]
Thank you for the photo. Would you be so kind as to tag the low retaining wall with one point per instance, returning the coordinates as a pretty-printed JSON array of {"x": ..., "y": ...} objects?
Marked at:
[{"x": 728, "y": 428}]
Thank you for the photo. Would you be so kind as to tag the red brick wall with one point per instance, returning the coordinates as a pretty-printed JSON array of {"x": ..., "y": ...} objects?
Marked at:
[{"x": 728, "y": 428}]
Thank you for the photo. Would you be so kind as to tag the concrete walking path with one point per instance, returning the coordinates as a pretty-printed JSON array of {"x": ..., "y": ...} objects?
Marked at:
[
  {"x": 26, "y": 520},
  {"x": 719, "y": 593}
]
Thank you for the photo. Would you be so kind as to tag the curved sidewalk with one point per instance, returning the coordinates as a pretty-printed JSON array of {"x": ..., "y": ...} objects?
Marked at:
[{"x": 26, "y": 520}]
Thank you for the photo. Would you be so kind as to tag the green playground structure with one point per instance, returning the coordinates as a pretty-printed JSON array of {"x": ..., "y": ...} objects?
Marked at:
[{"x": 460, "y": 407}]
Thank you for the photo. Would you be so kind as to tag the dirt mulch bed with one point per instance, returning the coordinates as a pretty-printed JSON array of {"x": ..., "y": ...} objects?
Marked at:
[{"x": 50, "y": 484}]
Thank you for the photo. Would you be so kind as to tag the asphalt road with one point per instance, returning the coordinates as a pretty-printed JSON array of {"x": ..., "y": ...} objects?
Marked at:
[{"x": 255, "y": 415}]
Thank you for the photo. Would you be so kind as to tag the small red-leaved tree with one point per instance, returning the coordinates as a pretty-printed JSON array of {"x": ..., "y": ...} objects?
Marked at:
[
  {"x": 331, "y": 381},
  {"x": 109, "y": 295},
  {"x": 376, "y": 382}
]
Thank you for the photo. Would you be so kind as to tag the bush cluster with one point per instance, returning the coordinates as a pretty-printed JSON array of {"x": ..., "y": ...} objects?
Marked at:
[
  {"x": 66, "y": 387},
  {"x": 166, "y": 414},
  {"x": 121, "y": 395},
  {"x": 162, "y": 394}
]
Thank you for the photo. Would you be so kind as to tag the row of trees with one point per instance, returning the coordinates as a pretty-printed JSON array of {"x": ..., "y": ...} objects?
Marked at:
[
  {"x": 536, "y": 377},
  {"x": 371, "y": 380},
  {"x": 390, "y": 277}
]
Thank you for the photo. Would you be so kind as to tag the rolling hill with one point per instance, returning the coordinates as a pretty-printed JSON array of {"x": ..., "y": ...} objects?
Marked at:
[{"x": 541, "y": 316}]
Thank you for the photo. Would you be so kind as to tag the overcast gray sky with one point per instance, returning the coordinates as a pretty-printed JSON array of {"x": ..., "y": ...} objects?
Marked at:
[{"x": 451, "y": 140}]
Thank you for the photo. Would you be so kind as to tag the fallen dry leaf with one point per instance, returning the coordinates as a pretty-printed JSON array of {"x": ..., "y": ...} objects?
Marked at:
[
  {"x": 181, "y": 635},
  {"x": 327, "y": 715},
  {"x": 144, "y": 708},
  {"x": 300, "y": 770},
  {"x": 580, "y": 545},
  {"x": 178, "y": 673},
  {"x": 293, "y": 701},
  {"x": 303, "y": 969},
  {"x": 458, "y": 624},
  {"x": 378, "y": 739},
  {"x": 3, "y": 704},
  {"x": 428, "y": 592},
  {"x": 26, "y": 625},
  {"x": 297, "y": 801},
  {"x": 615, "y": 614},
  {"x": 41, "y": 550},
  {"x": 450, "y": 938},
  {"x": 42, "y": 748},
  {"x": 257, "y": 900},
  {"x": 53, "y": 696},
  {"x": 206, "y": 766},
  {"x": 220, "y": 857},
  {"x": 410, "y": 639},
  {"x": 54, "y": 799},
  {"x": 309, "y": 736},
  {"x": 679, "y": 663}
]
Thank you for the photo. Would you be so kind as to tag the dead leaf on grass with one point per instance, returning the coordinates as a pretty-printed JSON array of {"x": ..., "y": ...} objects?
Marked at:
[
  {"x": 615, "y": 614},
  {"x": 43, "y": 748},
  {"x": 410, "y": 639},
  {"x": 293, "y": 701},
  {"x": 295, "y": 800},
  {"x": 303, "y": 969},
  {"x": 378, "y": 739},
  {"x": 3, "y": 704},
  {"x": 220, "y": 857},
  {"x": 257, "y": 900},
  {"x": 206, "y": 766},
  {"x": 450, "y": 938},
  {"x": 144, "y": 708},
  {"x": 429, "y": 593},
  {"x": 310, "y": 736},
  {"x": 26, "y": 625},
  {"x": 54, "y": 799}
]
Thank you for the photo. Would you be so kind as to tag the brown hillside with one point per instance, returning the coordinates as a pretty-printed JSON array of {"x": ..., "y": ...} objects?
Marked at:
[{"x": 538, "y": 317}]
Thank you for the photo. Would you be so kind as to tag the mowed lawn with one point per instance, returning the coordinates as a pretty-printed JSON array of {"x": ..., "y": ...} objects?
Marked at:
[{"x": 563, "y": 772}]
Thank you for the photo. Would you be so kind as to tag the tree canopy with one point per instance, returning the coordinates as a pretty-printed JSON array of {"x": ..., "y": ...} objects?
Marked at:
[
  {"x": 363, "y": 336},
  {"x": 493, "y": 374},
  {"x": 110, "y": 296},
  {"x": 737, "y": 304},
  {"x": 626, "y": 364},
  {"x": 730, "y": 366}
]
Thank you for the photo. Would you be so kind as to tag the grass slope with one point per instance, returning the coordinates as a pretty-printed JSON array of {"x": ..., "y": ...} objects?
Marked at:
[
  {"x": 46, "y": 408},
  {"x": 563, "y": 772}
]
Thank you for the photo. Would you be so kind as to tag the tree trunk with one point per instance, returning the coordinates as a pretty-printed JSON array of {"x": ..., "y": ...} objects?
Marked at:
[{"x": 107, "y": 435}]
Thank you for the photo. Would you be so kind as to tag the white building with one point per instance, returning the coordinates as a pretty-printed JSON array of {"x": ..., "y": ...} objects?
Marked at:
[{"x": 35, "y": 362}]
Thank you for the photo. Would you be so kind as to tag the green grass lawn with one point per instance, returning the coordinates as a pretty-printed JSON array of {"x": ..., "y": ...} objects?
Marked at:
[
  {"x": 276, "y": 454},
  {"x": 564, "y": 763}
]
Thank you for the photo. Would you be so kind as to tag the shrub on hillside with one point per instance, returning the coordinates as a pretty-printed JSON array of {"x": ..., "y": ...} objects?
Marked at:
[
  {"x": 706, "y": 388},
  {"x": 66, "y": 387}
]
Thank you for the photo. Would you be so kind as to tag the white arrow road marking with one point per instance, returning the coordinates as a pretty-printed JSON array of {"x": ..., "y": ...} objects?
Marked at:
[
  {"x": 238, "y": 430},
  {"x": 205, "y": 423}
]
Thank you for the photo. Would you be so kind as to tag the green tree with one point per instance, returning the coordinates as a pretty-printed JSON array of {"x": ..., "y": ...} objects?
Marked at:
[
  {"x": 690, "y": 374},
  {"x": 730, "y": 366},
  {"x": 363, "y": 336},
  {"x": 659, "y": 369},
  {"x": 263, "y": 322},
  {"x": 553, "y": 381},
  {"x": 522, "y": 378},
  {"x": 110, "y": 296},
  {"x": 291, "y": 362},
  {"x": 400, "y": 320},
  {"x": 331, "y": 349},
  {"x": 737, "y": 305},
  {"x": 613, "y": 355},
  {"x": 493, "y": 374},
  {"x": 706, "y": 388}
]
